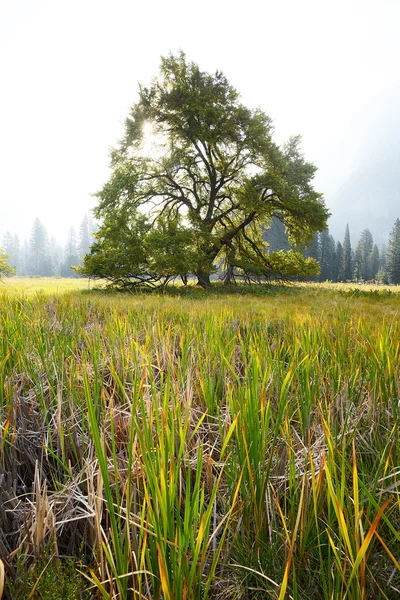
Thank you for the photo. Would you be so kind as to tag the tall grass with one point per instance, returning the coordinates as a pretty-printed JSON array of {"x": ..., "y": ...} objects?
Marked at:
[{"x": 203, "y": 446}]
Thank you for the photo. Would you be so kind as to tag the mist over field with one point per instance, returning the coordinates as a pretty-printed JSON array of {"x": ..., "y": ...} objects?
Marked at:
[{"x": 369, "y": 197}]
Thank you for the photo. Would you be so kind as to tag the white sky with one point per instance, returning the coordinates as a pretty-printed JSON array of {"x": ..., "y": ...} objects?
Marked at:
[{"x": 69, "y": 71}]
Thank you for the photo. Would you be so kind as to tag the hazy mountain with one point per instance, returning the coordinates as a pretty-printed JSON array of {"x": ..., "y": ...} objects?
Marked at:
[{"x": 370, "y": 198}]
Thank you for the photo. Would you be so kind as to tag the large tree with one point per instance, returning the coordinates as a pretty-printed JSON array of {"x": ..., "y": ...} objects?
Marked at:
[{"x": 195, "y": 178}]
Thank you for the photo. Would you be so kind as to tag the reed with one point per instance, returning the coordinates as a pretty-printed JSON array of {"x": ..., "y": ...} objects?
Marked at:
[{"x": 193, "y": 445}]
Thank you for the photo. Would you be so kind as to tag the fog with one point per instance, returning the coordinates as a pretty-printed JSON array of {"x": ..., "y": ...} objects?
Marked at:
[
  {"x": 370, "y": 196},
  {"x": 70, "y": 71}
]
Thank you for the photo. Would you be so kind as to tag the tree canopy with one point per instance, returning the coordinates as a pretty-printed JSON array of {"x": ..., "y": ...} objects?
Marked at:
[{"x": 195, "y": 178}]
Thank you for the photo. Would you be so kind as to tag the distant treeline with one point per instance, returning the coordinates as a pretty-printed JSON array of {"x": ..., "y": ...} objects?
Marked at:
[
  {"x": 43, "y": 256},
  {"x": 339, "y": 261}
]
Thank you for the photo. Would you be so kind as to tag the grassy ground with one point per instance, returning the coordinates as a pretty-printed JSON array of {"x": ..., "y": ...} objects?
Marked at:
[
  {"x": 200, "y": 445},
  {"x": 47, "y": 285}
]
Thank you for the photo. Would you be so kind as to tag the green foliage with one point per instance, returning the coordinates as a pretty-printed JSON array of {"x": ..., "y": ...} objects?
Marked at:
[
  {"x": 208, "y": 181},
  {"x": 130, "y": 249},
  {"x": 382, "y": 275},
  {"x": 5, "y": 268},
  {"x": 48, "y": 579},
  {"x": 292, "y": 264}
]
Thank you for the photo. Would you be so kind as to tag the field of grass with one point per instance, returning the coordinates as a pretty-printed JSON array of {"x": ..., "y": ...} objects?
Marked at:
[
  {"x": 196, "y": 445},
  {"x": 29, "y": 286}
]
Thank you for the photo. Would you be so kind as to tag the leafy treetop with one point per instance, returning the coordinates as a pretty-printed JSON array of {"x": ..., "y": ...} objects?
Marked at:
[{"x": 204, "y": 187}]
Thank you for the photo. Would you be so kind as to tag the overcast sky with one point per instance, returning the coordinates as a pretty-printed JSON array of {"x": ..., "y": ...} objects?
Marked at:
[{"x": 69, "y": 71}]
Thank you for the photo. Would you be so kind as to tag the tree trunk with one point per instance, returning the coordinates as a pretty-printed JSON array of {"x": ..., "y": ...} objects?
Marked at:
[
  {"x": 203, "y": 279},
  {"x": 230, "y": 269},
  {"x": 229, "y": 277}
]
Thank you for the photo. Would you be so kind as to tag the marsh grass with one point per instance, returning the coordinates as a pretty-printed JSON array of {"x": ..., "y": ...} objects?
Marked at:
[
  {"x": 192, "y": 445},
  {"x": 29, "y": 286}
]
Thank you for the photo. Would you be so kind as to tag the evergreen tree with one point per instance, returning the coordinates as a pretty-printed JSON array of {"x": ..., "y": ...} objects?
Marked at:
[
  {"x": 357, "y": 260},
  {"x": 25, "y": 259},
  {"x": 374, "y": 262},
  {"x": 313, "y": 251},
  {"x": 93, "y": 228},
  {"x": 16, "y": 253},
  {"x": 339, "y": 262},
  {"x": 383, "y": 257},
  {"x": 276, "y": 236},
  {"x": 363, "y": 255},
  {"x": 11, "y": 249},
  {"x": 84, "y": 237},
  {"x": 394, "y": 253},
  {"x": 71, "y": 255},
  {"x": 57, "y": 254},
  {"x": 327, "y": 256},
  {"x": 8, "y": 243},
  {"x": 40, "y": 261},
  {"x": 347, "y": 266}
]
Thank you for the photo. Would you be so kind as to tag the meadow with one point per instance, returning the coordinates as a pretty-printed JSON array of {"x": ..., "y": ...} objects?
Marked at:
[{"x": 188, "y": 445}]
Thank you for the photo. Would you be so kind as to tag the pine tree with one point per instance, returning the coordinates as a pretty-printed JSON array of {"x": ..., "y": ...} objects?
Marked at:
[
  {"x": 383, "y": 257},
  {"x": 11, "y": 250},
  {"x": 40, "y": 261},
  {"x": 71, "y": 257},
  {"x": 374, "y": 262},
  {"x": 16, "y": 253},
  {"x": 276, "y": 236},
  {"x": 314, "y": 251},
  {"x": 394, "y": 253},
  {"x": 327, "y": 256},
  {"x": 57, "y": 254},
  {"x": 25, "y": 259},
  {"x": 339, "y": 262},
  {"x": 347, "y": 256},
  {"x": 84, "y": 237},
  {"x": 8, "y": 243},
  {"x": 363, "y": 255},
  {"x": 356, "y": 262}
]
